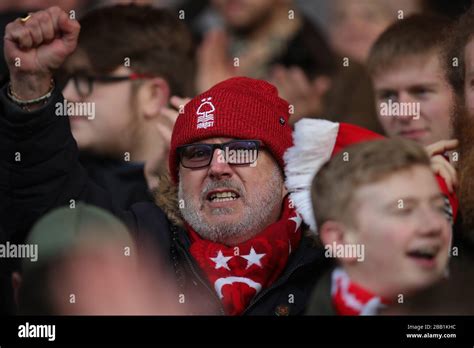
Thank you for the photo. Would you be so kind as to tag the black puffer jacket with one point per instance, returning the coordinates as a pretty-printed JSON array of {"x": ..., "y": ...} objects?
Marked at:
[
  {"x": 124, "y": 181},
  {"x": 49, "y": 175}
]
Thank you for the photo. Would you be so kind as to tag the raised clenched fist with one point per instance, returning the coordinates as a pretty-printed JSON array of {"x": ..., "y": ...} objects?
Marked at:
[{"x": 37, "y": 46}]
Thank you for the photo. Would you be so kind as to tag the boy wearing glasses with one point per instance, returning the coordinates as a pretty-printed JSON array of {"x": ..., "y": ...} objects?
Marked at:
[
  {"x": 118, "y": 83},
  {"x": 128, "y": 63}
]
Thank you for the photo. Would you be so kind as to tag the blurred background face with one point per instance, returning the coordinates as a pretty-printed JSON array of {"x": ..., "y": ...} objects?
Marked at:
[
  {"x": 257, "y": 196},
  {"x": 109, "y": 283},
  {"x": 114, "y": 128},
  {"x": 243, "y": 15},
  {"x": 406, "y": 249},
  {"x": 355, "y": 25},
  {"x": 416, "y": 80}
]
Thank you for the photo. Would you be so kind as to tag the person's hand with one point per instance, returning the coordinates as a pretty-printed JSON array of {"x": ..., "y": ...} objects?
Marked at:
[
  {"x": 306, "y": 96},
  {"x": 35, "y": 47},
  {"x": 440, "y": 165},
  {"x": 157, "y": 166},
  {"x": 213, "y": 62}
]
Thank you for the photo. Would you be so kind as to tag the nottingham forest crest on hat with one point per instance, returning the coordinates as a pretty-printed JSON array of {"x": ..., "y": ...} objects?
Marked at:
[
  {"x": 238, "y": 108},
  {"x": 205, "y": 114}
]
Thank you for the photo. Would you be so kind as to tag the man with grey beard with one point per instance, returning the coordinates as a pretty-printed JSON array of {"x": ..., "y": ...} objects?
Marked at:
[
  {"x": 257, "y": 206},
  {"x": 244, "y": 231},
  {"x": 228, "y": 230}
]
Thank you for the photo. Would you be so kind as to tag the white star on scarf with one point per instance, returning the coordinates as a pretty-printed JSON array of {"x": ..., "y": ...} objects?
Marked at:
[
  {"x": 221, "y": 260},
  {"x": 298, "y": 220},
  {"x": 253, "y": 258}
]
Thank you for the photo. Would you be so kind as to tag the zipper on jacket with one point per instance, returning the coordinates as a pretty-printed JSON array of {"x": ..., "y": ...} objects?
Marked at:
[{"x": 203, "y": 282}]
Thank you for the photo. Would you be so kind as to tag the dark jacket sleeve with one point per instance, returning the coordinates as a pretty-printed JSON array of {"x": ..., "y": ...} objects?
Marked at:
[{"x": 40, "y": 169}]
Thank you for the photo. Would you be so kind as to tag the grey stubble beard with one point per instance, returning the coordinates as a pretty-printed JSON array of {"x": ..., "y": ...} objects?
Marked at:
[{"x": 258, "y": 206}]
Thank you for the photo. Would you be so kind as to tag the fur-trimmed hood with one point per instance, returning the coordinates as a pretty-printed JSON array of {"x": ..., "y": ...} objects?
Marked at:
[{"x": 165, "y": 196}]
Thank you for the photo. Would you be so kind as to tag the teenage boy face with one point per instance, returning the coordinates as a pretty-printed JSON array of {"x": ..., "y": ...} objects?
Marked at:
[
  {"x": 406, "y": 235},
  {"x": 416, "y": 79},
  {"x": 113, "y": 129}
]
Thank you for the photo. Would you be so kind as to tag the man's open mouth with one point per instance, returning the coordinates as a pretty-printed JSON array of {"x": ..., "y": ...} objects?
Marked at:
[
  {"x": 216, "y": 196},
  {"x": 424, "y": 253}
]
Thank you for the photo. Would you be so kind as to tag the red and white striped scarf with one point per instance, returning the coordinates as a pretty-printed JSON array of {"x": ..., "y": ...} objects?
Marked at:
[
  {"x": 240, "y": 272},
  {"x": 349, "y": 298}
]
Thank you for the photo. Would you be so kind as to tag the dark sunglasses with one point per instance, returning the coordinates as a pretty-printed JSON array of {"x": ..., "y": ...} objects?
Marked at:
[
  {"x": 236, "y": 152},
  {"x": 84, "y": 82}
]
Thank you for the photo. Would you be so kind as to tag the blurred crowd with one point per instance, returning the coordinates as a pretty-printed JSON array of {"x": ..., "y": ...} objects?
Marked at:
[{"x": 237, "y": 157}]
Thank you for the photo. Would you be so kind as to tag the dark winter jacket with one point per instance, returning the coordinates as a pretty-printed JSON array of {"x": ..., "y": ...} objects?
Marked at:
[
  {"x": 124, "y": 181},
  {"x": 49, "y": 175},
  {"x": 320, "y": 302}
]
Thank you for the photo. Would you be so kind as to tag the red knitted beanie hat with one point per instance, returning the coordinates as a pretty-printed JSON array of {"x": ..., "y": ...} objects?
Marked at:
[{"x": 240, "y": 108}]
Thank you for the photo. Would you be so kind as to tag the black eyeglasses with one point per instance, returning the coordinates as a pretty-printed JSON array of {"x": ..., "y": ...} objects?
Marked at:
[
  {"x": 84, "y": 82},
  {"x": 237, "y": 152}
]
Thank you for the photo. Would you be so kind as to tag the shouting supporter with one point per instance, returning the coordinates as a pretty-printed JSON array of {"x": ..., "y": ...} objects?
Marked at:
[
  {"x": 315, "y": 142},
  {"x": 381, "y": 214},
  {"x": 228, "y": 230},
  {"x": 241, "y": 246}
]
